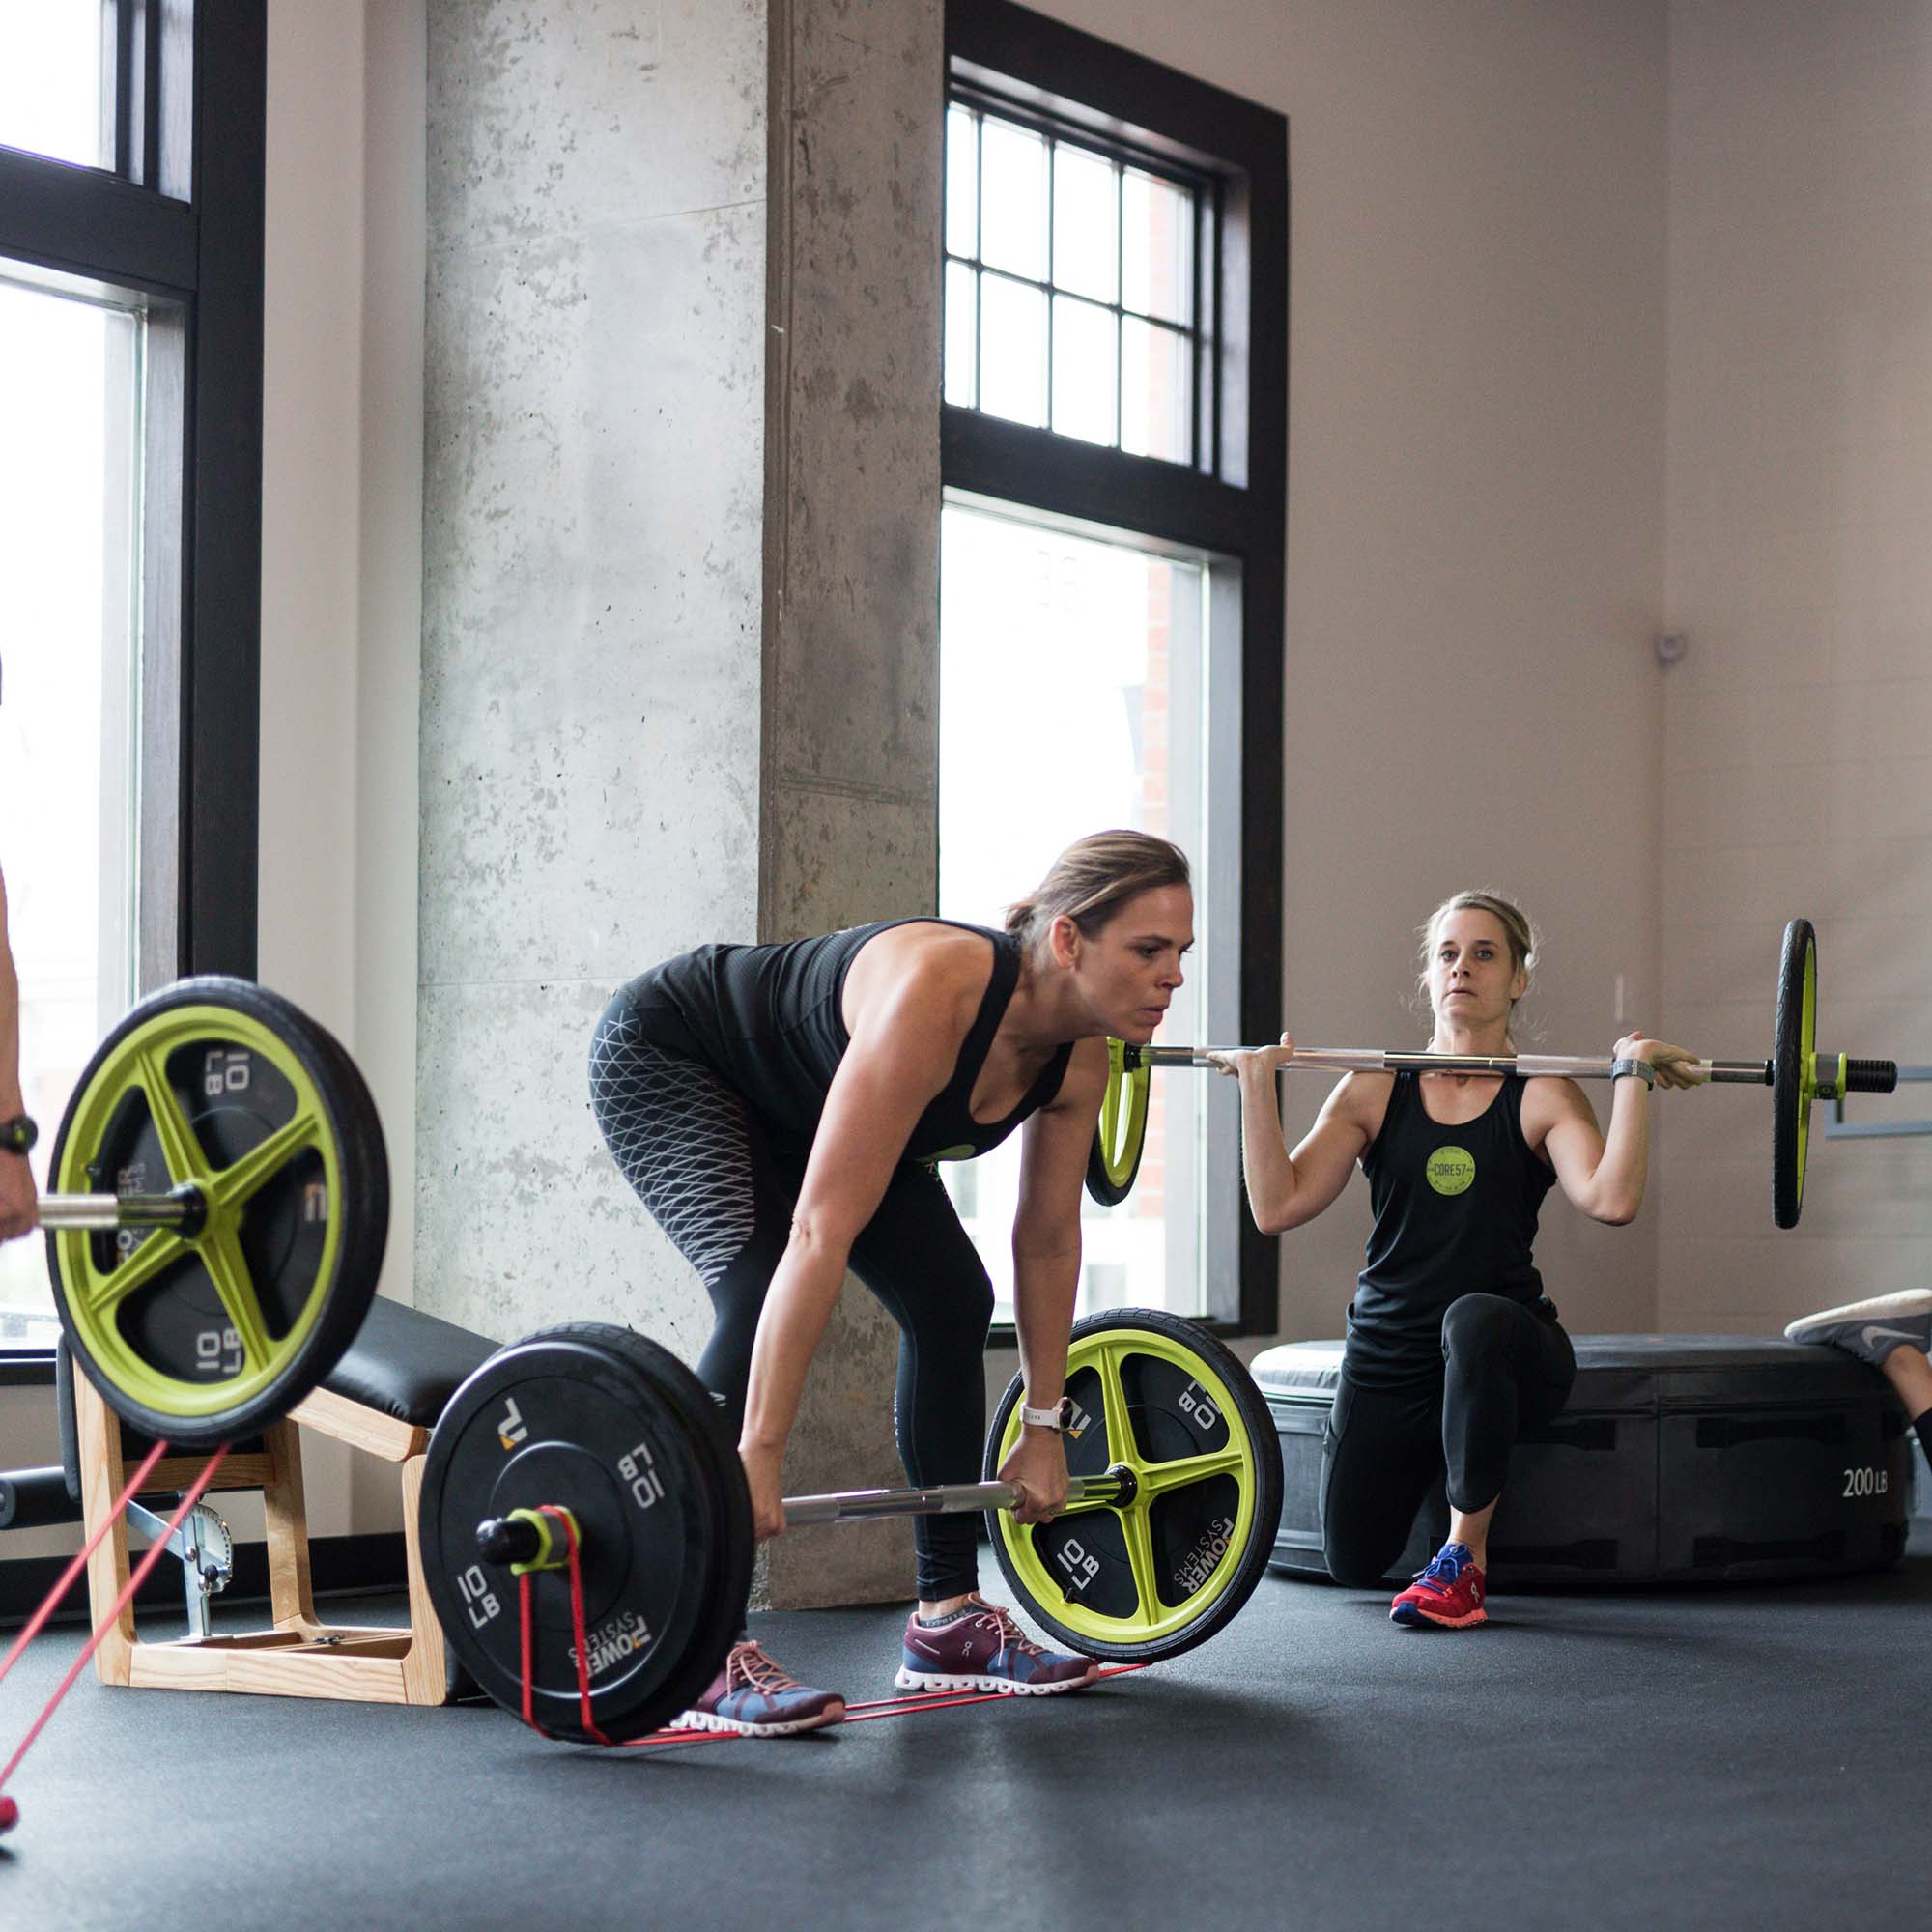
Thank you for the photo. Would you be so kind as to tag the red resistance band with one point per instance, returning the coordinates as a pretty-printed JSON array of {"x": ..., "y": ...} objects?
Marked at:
[
  {"x": 577, "y": 1631},
  {"x": 883, "y": 1707},
  {"x": 10, "y": 1812},
  {"x": 855, "y": 1714}
]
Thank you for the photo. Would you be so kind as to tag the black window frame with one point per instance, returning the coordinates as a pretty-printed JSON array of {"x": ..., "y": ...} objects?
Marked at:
[
  {"x": 1198, "y": 331},
  {"x": 177, "y": 220},
  {"x": 1006, "y": 58}
]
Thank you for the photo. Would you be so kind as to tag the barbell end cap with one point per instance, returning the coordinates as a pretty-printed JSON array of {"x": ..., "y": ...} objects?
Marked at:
[
  {"x": 508, "y": 1540},
  {"x": 194, "y": 1210}
]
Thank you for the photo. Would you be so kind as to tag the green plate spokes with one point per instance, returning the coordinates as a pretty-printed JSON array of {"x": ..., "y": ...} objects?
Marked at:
[
  {"x": 1149, "y": 1569},
  {"x": 193, "y": 1324}
]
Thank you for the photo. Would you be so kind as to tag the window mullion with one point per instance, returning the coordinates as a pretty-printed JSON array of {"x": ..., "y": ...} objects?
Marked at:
[
  {"x": 978, "y": 253},
  {"x": 150, "y": 95},
  {"x": 1120, "y": 306},
  {"x": 124, "y": 89},
  {"x": 1194, "y": 359},
  {"x": 1052, "y": 164}
]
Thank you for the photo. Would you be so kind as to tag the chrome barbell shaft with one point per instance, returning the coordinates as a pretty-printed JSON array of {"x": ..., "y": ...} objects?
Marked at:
[
  {"x": 947, "y": 1498},
  {"x": 120, "y": 1211},
  {"x": 1520, "y": 1065}
]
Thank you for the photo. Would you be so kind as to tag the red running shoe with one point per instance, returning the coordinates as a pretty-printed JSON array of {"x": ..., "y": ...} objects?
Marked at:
[{"x": 1448, "y": 1594}]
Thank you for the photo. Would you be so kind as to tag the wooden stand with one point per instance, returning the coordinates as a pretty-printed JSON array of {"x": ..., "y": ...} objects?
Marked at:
[{"x": 297, "y": 1656}]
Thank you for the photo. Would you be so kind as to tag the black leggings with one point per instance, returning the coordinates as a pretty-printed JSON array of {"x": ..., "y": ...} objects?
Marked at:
[
  {"x": 1502, "y": 1365},
  {"x": 723, "y": 1188}
]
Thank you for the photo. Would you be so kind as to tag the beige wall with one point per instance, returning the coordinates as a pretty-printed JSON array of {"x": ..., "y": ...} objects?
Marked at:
[
  {"x": 1475, "y": 521},
  {"x": 341, "y": 576},
  {"x": 1799, "y": 727}
]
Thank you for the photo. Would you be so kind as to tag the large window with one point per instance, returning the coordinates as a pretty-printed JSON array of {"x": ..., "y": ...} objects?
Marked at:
[
  {"x": 70, "y": 397},
  {"x": 1115, "y": 264},
  {"x": 1116, "y": 645},
  {"x": 131, "y": 431}
]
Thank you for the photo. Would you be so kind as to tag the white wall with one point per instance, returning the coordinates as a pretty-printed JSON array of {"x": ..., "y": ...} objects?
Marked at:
[
  {"x": 1475, "y": 521},
  {"x": 1799, "y": 727}
]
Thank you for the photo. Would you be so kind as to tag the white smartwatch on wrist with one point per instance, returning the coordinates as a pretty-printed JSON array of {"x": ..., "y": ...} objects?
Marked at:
[{"x": 1044, "y": 1418}]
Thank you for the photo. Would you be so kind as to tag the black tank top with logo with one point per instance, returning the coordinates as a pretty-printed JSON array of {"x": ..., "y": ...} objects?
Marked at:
[
  {"x": 1456, "y": 1211},
  {"x": 770, "y": 1020}
]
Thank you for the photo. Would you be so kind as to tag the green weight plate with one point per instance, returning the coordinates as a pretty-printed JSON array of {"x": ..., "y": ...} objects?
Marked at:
[
  {"x": 1793, "y": 1075},
  {"x": 1161, "y": 1573},
  {"x": 204, "y": 1335},
  {"x": 617, "y": 1431},
  {"x": 1121, "y": 1131}
]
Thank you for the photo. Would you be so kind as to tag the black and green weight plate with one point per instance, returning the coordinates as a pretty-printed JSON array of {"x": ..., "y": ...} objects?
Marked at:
[
  {"x": 1158, "y": 1574},
  {"x": 1794, "y": 1070},
  {"x": 599, "y": 1421},
  {"x": 1120, "y": 1133},
  {"x": 210, "y": 1332}
]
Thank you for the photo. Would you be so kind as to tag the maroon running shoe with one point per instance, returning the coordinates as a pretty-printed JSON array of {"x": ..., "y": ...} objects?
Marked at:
[
  {"x": 1448, "y": 1594},
  {"x": 753, "y": 1695},
  {"x": 981, "y": 1648}
]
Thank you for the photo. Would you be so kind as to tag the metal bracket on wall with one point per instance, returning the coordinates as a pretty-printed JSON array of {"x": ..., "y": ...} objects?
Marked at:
[{"x": 1838, "y": 1128}]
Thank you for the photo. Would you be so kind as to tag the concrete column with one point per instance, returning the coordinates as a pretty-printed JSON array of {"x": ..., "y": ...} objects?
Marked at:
[
  {"x": 594, "y": 470},
  {"x": 634, "y": 623},
  {"x": 849, "y": 813}
]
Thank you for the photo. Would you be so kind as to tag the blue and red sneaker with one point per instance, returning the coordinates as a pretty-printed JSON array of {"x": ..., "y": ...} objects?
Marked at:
[
  {"x": 756, "y": 1698},
  {"x": 1448, "y": 1594},
  {"x": 981, "y": 1648}
]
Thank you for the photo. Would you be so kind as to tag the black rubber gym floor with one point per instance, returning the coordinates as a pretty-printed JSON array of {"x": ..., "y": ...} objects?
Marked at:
[{"x": 1716, "y": 1759}]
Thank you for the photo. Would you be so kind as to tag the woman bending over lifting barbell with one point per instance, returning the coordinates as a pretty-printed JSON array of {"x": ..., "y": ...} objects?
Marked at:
[
  {"x": 1451, "y": 1339},
  {"x": 780, "y": 1111}
]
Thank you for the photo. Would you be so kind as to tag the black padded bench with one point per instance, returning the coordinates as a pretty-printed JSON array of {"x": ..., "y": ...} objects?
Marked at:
[
  {"x": 1679, "y": 1458},
  {"x": 403, "y": 1364}
]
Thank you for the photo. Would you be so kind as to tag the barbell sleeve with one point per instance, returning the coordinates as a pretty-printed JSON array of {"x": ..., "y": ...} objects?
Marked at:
[{"x": 182, "y": 1209}]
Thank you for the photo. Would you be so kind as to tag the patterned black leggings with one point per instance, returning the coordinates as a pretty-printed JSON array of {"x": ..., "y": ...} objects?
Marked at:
[{"x": 718, "y": 1182}]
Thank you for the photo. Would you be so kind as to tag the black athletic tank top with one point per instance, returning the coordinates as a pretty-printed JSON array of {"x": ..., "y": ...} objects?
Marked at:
[
  {"x": 769, "y": 1020},
  {"x": 1456, "y": 1211}
]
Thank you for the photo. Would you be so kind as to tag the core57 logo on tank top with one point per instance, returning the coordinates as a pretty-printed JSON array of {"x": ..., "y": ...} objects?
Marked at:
[{"x": 1451, "y": 1170}]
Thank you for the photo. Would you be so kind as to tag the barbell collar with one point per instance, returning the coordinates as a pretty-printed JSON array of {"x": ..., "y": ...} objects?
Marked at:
[
  {"x": 1116, "y": 1487},
  {"x": 184, "y": 1209}
]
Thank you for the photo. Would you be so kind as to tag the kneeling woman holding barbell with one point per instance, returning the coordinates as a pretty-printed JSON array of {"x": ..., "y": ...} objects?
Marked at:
[
  {"x": 779, "y": 1110},
  {"x": 1452, "y": 1341}
]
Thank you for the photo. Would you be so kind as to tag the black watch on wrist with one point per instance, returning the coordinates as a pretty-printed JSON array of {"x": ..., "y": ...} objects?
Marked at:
[{"x": 19, "y": 1135}]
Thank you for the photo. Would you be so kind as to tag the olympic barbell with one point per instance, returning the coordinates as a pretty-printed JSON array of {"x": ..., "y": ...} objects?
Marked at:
[
  {"x": 214, "y": 1230},
  {"x": 587, "y": 1530},
  {"x": 1796, "y": 1072}
]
